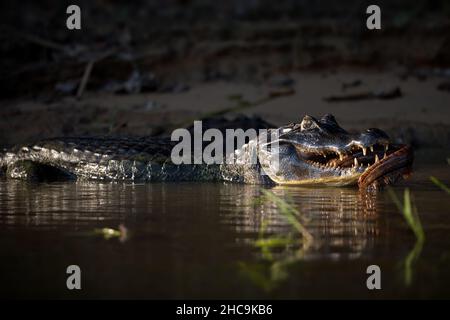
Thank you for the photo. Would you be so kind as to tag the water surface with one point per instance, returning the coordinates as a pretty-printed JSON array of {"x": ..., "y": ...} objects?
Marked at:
[{"x": 197, "y": 240}]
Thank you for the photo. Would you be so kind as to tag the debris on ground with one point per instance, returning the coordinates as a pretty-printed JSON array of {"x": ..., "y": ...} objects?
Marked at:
[
  {"x": 281, "y": 85},
  {"x": 136, "y": 83},
  {"x": 385, "y": 94},
  {"x": 351, "y": 84}
]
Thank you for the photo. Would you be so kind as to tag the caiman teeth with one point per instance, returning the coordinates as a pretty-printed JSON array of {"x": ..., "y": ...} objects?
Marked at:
[
  {"x": 376, "y": 158},
  {"x": 356, "y": 162},
  {"x": 386, "y": 147},
  {"x": 364, "y": 150}
]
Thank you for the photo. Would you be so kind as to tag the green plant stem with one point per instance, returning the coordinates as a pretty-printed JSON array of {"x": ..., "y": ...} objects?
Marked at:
[{"x": 440, "y": 184}]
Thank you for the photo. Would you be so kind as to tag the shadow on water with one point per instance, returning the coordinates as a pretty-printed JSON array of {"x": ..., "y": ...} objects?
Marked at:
[{"x": 196, "y": 240}]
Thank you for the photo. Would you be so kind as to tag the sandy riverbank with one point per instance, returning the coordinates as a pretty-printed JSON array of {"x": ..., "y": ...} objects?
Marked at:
[{"x": 420, "y": 113}]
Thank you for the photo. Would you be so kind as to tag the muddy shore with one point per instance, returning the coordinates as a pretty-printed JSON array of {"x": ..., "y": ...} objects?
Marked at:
[{"x": 418, "y": 113}]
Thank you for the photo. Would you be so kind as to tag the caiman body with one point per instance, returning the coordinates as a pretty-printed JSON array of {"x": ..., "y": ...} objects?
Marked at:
[{"x": 312, "y": 152}]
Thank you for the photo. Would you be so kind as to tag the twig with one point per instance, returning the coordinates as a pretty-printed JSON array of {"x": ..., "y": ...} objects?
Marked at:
[
  {"x": 85, "y": 78},
  {"x": 35, "y": 39},
  {"x": 88, "y": 70}
]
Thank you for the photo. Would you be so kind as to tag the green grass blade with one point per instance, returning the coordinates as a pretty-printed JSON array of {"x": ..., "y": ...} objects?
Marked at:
[
  {"x": 440, "y": 184},
  {"x": 409, "y": 212},
  {"x": 395, "y": 199},
  {"x": 290, "y": 213}
]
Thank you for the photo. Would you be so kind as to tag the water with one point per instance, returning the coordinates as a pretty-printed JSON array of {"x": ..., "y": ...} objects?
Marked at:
[{"x": 197, "y": 240}]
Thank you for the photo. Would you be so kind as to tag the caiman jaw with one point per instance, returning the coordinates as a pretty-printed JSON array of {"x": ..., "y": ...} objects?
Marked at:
[
  {"x": 366, "y": 164},
  {"x": 395, "y": 164},
  {"x": 356, "y": 157},
  {"x": 320, "y": 152}
]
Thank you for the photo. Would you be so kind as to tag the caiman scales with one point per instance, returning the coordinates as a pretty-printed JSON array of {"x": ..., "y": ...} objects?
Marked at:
[{"x": 311, "y": 152}]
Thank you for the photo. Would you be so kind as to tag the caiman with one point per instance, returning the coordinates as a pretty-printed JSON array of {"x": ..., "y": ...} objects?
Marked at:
[{"x": 310, "y": 152}]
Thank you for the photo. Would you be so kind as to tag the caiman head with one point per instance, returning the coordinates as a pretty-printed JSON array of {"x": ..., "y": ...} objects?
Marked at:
[{"x": 320, "y": 152}]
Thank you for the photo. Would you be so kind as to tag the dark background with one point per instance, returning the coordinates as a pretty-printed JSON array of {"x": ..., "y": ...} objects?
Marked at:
[{"x": 160, "y": 64}]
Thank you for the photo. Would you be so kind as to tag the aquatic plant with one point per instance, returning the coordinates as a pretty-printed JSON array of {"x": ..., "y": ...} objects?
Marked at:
[
  {"x": 291, "y": 214},
  {"x": 270, "y": 272},
  {"x": 259, "y": 274},
  {"x": 108, "y": 233},
  {"x": 440, "y": 184},
  {"x": 409, "y": 212}
]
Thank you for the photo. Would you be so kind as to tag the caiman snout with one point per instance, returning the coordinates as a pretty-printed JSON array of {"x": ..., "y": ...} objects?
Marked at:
[{"x": 321, "y": 152}]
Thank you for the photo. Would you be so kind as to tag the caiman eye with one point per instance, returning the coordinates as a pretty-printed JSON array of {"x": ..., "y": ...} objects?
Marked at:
[{"x": 308, "y": 123}]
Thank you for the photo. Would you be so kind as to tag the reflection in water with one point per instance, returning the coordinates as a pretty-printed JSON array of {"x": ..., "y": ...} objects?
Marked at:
[
  {"x": 343, "y": 221},
  {"x": 408, "y": 209},
  {"x": 65, "y": 203},
  {"x": 185, "y": 239}
]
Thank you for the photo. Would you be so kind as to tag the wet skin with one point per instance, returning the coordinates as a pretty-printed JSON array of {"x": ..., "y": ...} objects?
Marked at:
[
  {"x": 320, "y": 152},
  {"x": 312, "y": 152}
]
